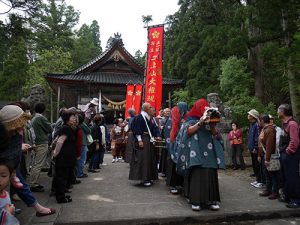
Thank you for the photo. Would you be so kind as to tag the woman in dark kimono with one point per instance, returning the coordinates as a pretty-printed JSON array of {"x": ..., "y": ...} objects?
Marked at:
[
  {"x": 200, "y": 155},
  {"x": 178, "y": 113}
]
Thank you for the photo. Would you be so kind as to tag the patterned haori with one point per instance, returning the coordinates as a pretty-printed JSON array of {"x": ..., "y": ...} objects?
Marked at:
[
  {"x": 200, "y": 149},
  {"x": 167, "y": 131}
]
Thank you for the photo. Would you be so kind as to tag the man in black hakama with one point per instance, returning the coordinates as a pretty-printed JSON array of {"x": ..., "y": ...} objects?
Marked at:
[{"x": 143, "y": 165}]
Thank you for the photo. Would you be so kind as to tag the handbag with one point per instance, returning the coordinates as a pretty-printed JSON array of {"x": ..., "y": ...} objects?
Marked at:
[
  {"x": 274, "y": 161},
  {"x": 89, "y": 139}
]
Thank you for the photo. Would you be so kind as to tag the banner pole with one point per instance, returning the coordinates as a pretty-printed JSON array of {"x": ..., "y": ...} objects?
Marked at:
[{"x": 145, "y": 71}]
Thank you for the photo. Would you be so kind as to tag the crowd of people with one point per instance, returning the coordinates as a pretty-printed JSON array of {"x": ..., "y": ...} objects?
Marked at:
[
  {"x": 29, "y": 143},
  {"x": 275, "y": 154},
  {"x": 194, "y": 151},
  {"x": 190, "y": 158},
  {"x": 181, "y": 145}
]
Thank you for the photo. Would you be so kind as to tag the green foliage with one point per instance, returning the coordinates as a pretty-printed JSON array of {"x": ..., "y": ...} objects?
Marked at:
[
  {"x": 140, "y": 57},
  {"x": 52, "y": 25},
  {"x": 182, "y": 95},
  {"x": 235, "y": 83},
  {"x": 146, "y": 19},
  {"x": 14, "y": 72},
  {"x": 26, "y": 6},
  {"x": 203, "y": 35},
  {"x": 4, "y": 42},
  {"x": 235, "y": 80},
  {"x": 55, "y": 61},
  {"x": 87, "y": 44}
]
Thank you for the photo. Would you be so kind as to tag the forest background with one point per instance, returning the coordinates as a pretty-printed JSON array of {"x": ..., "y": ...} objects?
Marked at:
[{"x": 248, "y": 51}]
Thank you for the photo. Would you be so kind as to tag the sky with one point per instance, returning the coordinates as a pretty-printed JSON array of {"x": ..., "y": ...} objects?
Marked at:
[{"x": 125, "y": 17}]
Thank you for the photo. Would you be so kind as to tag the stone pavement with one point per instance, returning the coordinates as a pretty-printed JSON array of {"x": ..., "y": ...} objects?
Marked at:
[{"x": 109, "y": 198}]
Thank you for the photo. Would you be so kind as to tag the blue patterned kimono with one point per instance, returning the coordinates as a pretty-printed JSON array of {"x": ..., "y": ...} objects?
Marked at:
[
  {"x": 200, "y": 149},
  {"x": 167, "y": 131}
]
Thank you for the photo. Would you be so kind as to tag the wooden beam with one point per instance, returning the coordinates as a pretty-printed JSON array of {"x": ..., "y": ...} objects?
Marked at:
[{"x": 58, "y": 101}]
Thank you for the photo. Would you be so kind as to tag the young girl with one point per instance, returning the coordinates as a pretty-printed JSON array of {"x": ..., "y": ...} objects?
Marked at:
[{"x": 7, "y": 209}]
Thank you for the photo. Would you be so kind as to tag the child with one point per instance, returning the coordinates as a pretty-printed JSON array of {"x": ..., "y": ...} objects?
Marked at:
[{"x": 7, "y": 209}]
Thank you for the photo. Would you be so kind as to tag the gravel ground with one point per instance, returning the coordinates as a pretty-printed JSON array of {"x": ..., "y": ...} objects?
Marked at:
[{"x": 241, "y": 174}]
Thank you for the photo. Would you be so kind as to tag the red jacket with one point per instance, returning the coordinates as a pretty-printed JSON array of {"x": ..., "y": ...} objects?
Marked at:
[{"x": 235, "y": 137}]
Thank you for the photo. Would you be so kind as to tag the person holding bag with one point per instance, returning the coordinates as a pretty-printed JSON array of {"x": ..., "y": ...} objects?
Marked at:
[
  {"x": 290, "y": 156},
  {"x": 267, "y": 154},
  {"x": 236, "y": 142}
]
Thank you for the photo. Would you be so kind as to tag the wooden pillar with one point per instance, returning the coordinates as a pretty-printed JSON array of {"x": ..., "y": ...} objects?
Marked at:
[
  {"x": 100, "y": 104},
  {"x": 58, "y": 101},
  {"x": 51, "y": 107}
]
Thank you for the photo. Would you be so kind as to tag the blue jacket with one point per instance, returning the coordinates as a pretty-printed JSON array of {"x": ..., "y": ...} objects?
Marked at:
[{"x": 253, "y": 134}]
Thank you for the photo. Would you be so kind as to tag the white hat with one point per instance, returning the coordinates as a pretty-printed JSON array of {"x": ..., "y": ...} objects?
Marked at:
[
  {"x": 95, "y": 101},
  {"x": 13, "y": 117},
  {"x": 254, "y": 113}
]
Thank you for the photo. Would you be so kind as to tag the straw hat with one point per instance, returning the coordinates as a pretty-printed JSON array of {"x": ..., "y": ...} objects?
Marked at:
[
  {"x": 254, "y": 113},
  {"x": 95, "y": 101},
  {"x": 13, "y": 117}
]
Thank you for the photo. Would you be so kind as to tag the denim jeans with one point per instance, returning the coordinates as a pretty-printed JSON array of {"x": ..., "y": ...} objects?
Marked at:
[
  {"x": 95, "y": 159},
  {"x": 24, "y": 193},
  {"x": 81, "y": 161}
]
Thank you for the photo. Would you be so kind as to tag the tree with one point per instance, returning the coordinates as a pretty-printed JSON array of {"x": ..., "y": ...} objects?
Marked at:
[
  {"x": 4, "y": 42},
  {"x": 95, "y": 30},
  {"x": 14, "y": 72},
  {"x": 53, "y": 61},
  {"x": 86, "y": 44},
  {"x": 25, "y": 6},
  {"x": 290, "y": 25},
  {"x": 147, "y": 19},
  {"x": 140, "y": 57},
  {"x": 235, "y": 83},
  {"x": 265, "y": 33},
  {"x": 52, "y": 25}
]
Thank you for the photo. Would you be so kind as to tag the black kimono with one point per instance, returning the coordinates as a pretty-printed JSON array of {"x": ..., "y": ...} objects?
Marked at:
[{"x": 143, "y": 165}]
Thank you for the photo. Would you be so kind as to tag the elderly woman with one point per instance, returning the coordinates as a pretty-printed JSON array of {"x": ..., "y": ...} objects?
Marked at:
[
  {"x": 199, "y": 156},
  {"x": 65, "y": 157},
  {"x": 14, "y": 119},
  {"x": 266, "y": 150}
]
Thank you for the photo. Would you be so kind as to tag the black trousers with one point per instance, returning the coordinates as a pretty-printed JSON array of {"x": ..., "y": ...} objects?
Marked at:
[
  {"x": 237, "y": 151},
  {"x": 291, "y": 172},
  {"x": 257, "y": 169},
  {"x": 61, "y": 180}
]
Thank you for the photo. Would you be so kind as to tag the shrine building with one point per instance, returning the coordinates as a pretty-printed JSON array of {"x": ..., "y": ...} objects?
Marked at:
[{"x": 105, "y": 76}]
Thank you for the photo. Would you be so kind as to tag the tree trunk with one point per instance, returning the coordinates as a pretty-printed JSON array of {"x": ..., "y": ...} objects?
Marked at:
[
  {"x": 294, "y": 88},
  {"x": 255, "y": 61},
  {"x": 292, "y": 74},
  {"x": 257, "y": 66}
]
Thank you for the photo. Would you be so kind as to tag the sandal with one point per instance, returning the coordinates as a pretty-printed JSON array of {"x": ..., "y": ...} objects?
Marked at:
[{"x": 39, "y": 214}]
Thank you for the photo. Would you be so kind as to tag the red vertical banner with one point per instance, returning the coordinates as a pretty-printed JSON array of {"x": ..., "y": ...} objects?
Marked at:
[
  {"x": 129, "y": 99},
  {"x": 137, "y": 98},
  {"x": 153, "y": 86}
]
